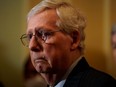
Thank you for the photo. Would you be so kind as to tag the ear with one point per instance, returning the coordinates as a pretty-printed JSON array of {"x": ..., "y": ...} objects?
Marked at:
[{"x": 76, "y": 40}]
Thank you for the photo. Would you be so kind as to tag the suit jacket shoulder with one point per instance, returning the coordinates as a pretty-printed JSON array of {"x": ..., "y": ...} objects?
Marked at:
[{"x": 85, "y": 76}]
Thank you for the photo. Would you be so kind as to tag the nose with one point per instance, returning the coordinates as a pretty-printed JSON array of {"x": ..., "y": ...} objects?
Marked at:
[{"x": 34, "y": 44}]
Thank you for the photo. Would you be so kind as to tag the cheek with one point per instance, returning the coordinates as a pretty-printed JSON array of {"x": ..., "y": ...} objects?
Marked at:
[
  {"x": 49, "y": 51},
  {"x": 57, "y": 48},
  {"x": 32, "y": 59},
  {"x": 57, "y": 51},
  {"x": 58, "y": 45}
]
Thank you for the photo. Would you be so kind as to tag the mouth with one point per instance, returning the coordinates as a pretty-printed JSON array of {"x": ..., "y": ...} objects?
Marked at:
[{"x": 41, "y": 59}]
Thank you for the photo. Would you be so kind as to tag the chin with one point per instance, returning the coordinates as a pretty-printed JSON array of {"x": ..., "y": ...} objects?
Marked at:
[{"x": 43, "y": 69}]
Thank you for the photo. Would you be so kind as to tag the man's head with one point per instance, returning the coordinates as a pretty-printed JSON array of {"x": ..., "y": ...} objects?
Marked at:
[
  {"x": 55, "y": 32},
  {"x": 70, "y": 19},
  {"x": 113, "y": 40}
]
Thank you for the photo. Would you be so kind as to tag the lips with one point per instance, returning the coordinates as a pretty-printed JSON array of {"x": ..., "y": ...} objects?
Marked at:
[{"x": 42, "y": 59}]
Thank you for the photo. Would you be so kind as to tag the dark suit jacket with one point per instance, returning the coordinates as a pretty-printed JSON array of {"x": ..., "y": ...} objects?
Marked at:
[{"x": 85, "y": 76}]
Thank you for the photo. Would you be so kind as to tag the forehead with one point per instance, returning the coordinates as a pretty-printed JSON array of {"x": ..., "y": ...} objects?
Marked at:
[{"x": 46, "y": 19}]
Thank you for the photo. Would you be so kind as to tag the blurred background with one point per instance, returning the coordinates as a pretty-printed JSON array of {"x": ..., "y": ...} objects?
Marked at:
[{"x": 101, "y": 15}]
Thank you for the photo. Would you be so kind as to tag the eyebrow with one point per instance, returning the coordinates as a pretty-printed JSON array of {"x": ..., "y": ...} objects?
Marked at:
[{"x": 40, "y": 28}]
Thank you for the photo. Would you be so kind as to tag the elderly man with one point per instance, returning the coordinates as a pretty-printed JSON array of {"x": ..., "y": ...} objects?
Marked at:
[{"x": 55, "y": 37}]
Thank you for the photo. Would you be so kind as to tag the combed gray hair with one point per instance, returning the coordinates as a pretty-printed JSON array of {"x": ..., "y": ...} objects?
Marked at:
[{"x": 70, "y": 19}]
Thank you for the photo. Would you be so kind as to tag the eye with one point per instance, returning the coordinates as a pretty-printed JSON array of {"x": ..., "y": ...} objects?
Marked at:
[
  {"x": 46, "y": 34},
  {"x": 43, "y": 34},
  {"x": 39, "y": 33}
]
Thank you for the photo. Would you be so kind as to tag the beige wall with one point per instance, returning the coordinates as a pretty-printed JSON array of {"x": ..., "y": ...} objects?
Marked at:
[{"x": 11, "y": 55}]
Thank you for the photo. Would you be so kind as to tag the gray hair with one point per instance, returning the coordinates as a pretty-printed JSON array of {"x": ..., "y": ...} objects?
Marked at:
[{"x": 70, "y": 19}]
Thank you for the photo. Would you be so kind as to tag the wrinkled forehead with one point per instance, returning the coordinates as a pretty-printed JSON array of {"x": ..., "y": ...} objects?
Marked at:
[
  {"x": 46, "y": 12},
  {"x": 45, "y": 19}
]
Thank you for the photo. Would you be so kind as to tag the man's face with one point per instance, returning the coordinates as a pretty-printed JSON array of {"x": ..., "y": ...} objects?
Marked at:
[
  {"x": 52, "y": 55},
  {"x": 114, "y": 45}
]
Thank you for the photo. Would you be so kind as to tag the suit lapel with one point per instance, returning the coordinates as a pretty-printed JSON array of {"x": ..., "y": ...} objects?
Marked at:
[{"x": 75, "y": 76}]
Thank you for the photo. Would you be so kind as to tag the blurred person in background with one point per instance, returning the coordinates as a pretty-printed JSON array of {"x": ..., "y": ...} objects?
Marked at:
[
  {"x": 113, "y": 41},
  {"x": 55, "y": 38},
  {"x": 31, "y": 77}
]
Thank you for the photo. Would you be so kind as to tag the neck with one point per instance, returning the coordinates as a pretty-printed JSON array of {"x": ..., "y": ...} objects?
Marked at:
[
  {"x": 52, "y": 79},
  {"x": 49, "y": 78}
]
